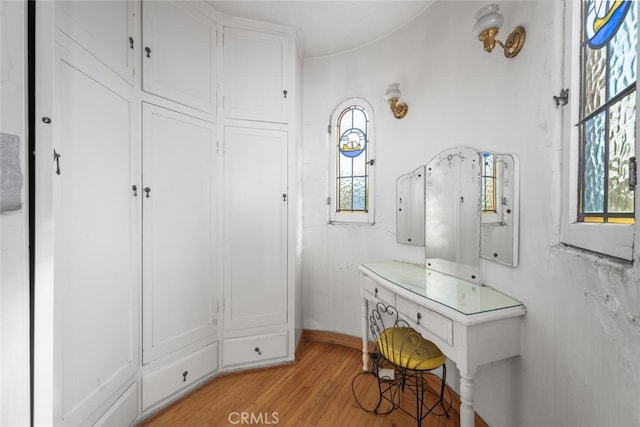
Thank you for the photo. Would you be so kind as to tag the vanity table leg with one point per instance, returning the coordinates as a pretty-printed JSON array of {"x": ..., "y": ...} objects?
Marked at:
[
  {"x": 467, "y": 414},
  {"x": 365, "y": 334}
]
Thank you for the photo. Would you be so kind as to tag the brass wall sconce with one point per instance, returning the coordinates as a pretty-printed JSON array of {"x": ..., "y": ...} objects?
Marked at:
[
  {"x": 391, "y": 96},
  {"x": 489, "y": 22}
]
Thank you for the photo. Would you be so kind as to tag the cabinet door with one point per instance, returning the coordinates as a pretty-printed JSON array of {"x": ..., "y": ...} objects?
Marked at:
[
  {"x": 255, "y": 225},
  {"x": 96, "y": 236},
  {"x": 179, "y": 270},
  {"x": 256, "y": 75},
  {"x": 103, "y": 28},
  {"x": 179, "y": 54}
]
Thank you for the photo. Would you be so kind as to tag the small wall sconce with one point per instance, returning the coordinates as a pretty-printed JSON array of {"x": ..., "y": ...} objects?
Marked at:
[
  {"x": 489, "y": 22},
  {"x": 391, "y": 96}
]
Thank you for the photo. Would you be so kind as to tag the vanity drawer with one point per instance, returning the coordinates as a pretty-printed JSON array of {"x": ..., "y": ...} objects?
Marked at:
[
  {"x": 258, "y": 348},
  {"x": 375, "y": 292},
  {"x": 171, "y": 378},
  {"x": 437, "y": 324}
]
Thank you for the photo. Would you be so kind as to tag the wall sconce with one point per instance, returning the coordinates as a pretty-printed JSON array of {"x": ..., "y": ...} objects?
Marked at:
[
  {"x": 391, "y": 96},
  {"x": 489, "y": 22}
]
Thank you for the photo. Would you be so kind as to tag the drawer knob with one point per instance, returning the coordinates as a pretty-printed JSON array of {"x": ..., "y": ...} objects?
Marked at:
[
  {"x": 184, "y": 376},
  {"x": 376, "y": 292},
  {"x": 257, "y": 350},
  {"x": 418, "y": 317}
]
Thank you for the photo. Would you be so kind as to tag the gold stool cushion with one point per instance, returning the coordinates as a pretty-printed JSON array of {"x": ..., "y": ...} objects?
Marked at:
[{"x": 405, "y": 347}]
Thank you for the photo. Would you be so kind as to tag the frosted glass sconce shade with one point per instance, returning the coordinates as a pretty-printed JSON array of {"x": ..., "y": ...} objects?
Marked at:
[
  {"x": 488, "y": 24},
  {"x": 392, "y": 95}
]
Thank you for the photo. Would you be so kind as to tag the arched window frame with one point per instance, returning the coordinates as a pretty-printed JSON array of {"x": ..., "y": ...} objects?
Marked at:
[{"x": 348, "y": 216}]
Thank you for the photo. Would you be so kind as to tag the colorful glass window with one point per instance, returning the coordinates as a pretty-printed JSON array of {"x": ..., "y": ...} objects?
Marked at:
[
  {"x": 352, "y": 162},
  {"x": 488, "y": 184},
  {"x": 609, "y": 50}
]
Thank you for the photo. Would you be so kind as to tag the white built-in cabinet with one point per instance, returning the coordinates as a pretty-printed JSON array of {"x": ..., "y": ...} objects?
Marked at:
[
  {"x": 95, "y": 236},
  {"x": 179, "y": 238},
  {"x": 164, "y": 216},
  {"x": 107, "y": 30},
  {"x": 179, "y": 55},
  {"x": 258, "y": 317},
  {"x": 256, "y": 70},
  {"x": 179, "y": 231},
  {"x": 255, "y": 180}
]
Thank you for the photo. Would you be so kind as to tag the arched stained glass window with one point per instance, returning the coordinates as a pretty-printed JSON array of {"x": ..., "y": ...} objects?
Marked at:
[
  {"x": 609, "y": 50},
  {"x": 351, "y": 133}
]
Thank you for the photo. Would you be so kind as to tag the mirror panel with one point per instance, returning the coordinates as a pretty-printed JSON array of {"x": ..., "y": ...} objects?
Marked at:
[
  {"x": 452, "y": 215},
  {"x": 462, "y": 206},
  {"x": 410, "y": 207},
  {"x": 500, "y": 225}
]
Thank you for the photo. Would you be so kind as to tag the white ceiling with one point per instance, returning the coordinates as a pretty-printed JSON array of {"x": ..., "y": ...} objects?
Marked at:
[{"x": 327, "y": 27}]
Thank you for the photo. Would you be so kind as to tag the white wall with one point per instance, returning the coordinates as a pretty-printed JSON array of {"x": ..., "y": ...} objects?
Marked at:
[
  {"x": 580, "y": 364},
  {"x": 14, "y": 284}
]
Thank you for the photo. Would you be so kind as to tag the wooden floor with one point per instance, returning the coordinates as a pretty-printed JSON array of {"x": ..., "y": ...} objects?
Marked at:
[{"x": 315, "y": 391}]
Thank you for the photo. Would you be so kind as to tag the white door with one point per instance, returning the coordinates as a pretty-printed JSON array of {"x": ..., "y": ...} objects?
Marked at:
[
  {"x": 179, "y": 53},
  {"x": 179, "y": 263},
  {"x": 256, "y": 76},
  {"x": 255, "y": 227},
  {"x": 96, "y": 236},
  {"x": 104, "y": 28}
]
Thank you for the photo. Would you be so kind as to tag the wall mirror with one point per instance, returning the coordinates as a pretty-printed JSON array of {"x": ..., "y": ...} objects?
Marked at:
[
  {"x": 469, "y": 205},
  {"x": 452, "y": 217},
  {"x": 500, "y": 195},
  {"x": 410, "y": 207}
]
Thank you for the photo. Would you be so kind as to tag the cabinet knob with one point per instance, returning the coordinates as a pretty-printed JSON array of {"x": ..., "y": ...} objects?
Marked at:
[
  {"x": 148, "y": 50},
  {"x": 257, "y": 350},
  {"x": 284, "y": 92},
  {"x": 184, "y": 376},
  {"x": 418, "y": 318},
  {"x": 147, "y": 190},
  {"x": 375, "y": 292},
  {"x": 131, "y": 42},
  {"x": 135, "y": 190}
]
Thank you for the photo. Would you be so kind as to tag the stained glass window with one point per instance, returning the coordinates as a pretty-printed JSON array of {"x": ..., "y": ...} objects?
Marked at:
[
  {"x": 609, "y": 50},
  {"x": 489, "y": 184},
  {"x": 352, "y": 162}
]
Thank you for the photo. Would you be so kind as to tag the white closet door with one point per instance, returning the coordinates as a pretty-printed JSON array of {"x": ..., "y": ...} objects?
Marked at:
[
  {"x": 96, "y": 236},
  {"x": 179, "y": 53},
  {"x": 256, "y": 75},
  {"x": 255, "y": 227},
  {"x": 179, "y": 272},
  {"x": 103, "y": 28}
]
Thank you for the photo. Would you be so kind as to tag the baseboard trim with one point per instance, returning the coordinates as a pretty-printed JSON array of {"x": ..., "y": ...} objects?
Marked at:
[{"x": 310, "y": 335}]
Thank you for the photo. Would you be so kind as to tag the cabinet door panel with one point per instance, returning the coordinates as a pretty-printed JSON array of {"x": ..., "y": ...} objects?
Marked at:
[
  {"x": 256, "y": 75},
  {"x": 255, "y": 183},
  {"x": 103, "y": 28},
  {"x": 179, "y": 281},
  {"x": 95, "y": 237},
  {"x": 179, "y": 54}
]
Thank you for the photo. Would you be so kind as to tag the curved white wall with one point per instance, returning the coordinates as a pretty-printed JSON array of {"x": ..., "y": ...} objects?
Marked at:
[{"x": 580, "y": 364}]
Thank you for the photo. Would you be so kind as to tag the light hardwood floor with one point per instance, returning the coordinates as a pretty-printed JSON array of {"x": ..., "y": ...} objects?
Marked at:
[{"x": 315, "y": 391}]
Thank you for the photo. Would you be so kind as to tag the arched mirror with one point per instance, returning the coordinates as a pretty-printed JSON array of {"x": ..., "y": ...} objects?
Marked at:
[{"x": 452, "y": 218}]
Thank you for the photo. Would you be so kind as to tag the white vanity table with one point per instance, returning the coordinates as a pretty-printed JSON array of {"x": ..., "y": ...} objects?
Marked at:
[{"x": 471, "y": 323}]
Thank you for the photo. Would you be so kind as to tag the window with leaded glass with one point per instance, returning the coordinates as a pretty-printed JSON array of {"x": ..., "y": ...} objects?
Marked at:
[
  {"x": 609, "y": 51},
  {"x": 598, "y": 136},
  {"x": 488, "y": 184},
  {"x": 352, "y": 164}
]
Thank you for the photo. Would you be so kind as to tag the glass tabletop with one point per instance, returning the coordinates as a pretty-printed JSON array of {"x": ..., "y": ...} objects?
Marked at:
[{"x": 458, "y": 294}]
